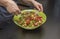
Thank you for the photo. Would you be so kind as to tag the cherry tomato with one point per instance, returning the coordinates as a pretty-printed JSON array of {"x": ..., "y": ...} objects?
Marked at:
[
  {"x": 28, "y": 18},
  {"x": 38, "y": 18},
  {"x": 32, "y": 18},
  {"x": 27, "y": 22}
]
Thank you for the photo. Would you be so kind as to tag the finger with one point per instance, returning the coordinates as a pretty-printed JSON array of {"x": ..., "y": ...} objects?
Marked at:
[
  {"x": 37, "y": 7},
  {"x": 41, "y": 7},
  {"x": 17, "y": 12},
  {"x": 14, "y": 13},
  {"x": 36, "y": 4}
]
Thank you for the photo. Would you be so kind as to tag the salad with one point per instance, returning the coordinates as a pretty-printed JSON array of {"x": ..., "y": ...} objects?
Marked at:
[{"x": 30, "y": 19}]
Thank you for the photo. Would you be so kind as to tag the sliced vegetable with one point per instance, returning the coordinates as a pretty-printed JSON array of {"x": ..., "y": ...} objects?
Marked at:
[{"x": 29, "y": 19}]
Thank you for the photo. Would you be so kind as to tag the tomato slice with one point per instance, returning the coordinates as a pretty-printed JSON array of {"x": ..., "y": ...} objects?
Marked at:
[
  {"x": 38, "y": 18},
  {"x": 27, "y": 21}
]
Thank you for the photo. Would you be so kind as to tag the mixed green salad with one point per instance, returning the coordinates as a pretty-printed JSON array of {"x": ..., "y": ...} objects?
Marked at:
[{"x": 29, "y": 19}]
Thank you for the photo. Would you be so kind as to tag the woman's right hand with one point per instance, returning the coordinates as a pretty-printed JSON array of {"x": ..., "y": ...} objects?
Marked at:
[{"x": 12, "y": 7}]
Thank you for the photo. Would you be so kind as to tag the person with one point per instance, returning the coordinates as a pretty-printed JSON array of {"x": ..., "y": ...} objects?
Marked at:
[{"x": 12, "y": 7}]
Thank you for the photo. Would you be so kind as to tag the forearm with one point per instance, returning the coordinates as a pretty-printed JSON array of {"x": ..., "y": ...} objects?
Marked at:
[
  {"x": 28, "y": 2},
  {"x": 4, "y": 2}
]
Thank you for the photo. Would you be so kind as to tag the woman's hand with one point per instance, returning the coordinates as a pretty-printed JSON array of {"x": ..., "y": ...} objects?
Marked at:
[
  {"x": 12, "y": 7},
  {"x": 37, "y": 5}
]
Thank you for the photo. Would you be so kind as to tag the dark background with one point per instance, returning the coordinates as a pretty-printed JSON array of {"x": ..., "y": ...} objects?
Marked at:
[{"x": 50, "y": 30}]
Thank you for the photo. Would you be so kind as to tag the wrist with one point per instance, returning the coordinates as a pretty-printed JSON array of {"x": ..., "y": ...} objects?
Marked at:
[
  {"x": 31, "y": 0},
  {"x": 28, "y": 0}
]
